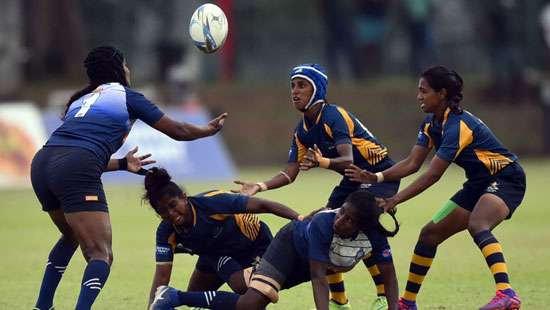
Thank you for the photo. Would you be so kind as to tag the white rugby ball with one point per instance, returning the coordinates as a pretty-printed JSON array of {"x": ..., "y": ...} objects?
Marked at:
[{"x": 208, "y": 28}]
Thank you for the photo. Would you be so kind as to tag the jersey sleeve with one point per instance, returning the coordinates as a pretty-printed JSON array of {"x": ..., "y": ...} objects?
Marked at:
[
  {"x": 165, "y": 243},
  {"x": 141, "y": 108},
  {"x": 381, "y": 250},
  {"x": 456, "y": 136},
  {"x": 320, "y": 237},
  {"x": 222, "y": 202},
  {"x": 297, "y": 150},
  {"x": 424, "y": 138},
  {"x": 341, "y": 125}
]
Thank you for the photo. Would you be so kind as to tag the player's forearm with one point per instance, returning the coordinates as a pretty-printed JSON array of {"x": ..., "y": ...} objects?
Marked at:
[
  {"x": 339, "y": 164},
  {"x": 279, "y": 210},
  {"x": 400, "y": 170},
  {"x": 390, "y": 284},
  {"x": 160, "y": 278},
  {"x": 117, "y": 164},
  {"x": 320, "y": 292},
  {"x": 419, "y": 185}
]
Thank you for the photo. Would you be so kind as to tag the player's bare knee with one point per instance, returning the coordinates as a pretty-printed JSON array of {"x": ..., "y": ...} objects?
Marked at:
[
  {"x": 237, "y": 282},
  {"x": 429, "y": 235},
  {"x": 476, "y": 225},
  {"x": 94, "y": 250}
]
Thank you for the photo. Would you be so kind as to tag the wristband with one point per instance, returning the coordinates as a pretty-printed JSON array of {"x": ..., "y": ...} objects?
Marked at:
[
  {"x": 300, "y": 218},
  {"x": 142, "y": 171},
  {"x": 262, "y": 186},
  {"x": 324, "y": 162},
  {"x": 286, "y": 176},
  {"x": 123, "y": 164},
  {"x": 379, "y": 177}
]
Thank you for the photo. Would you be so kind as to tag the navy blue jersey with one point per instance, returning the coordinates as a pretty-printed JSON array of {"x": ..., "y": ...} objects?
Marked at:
[
  {"x": 101, "y": 120},
  {"x": 220, "y": 227},
  {"x": 467, "y": 141},
  {"x": 316, "y": 240},
  {"x": 335, "y": 126}
]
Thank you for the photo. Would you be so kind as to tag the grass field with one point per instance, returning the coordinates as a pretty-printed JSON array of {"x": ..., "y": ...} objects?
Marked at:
[{"x": 459, "y": 278}]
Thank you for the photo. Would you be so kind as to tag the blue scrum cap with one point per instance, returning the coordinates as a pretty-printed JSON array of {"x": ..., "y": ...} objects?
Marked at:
[{"x": 315, "y": 75}]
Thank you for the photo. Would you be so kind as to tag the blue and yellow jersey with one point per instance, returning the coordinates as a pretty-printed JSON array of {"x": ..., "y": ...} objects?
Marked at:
[
  {"x": 220, "y": 227},
  {"x": 333, "y": 126},
  {"x": 101, "y": 120},
  {"x": 467, "y": 141}
]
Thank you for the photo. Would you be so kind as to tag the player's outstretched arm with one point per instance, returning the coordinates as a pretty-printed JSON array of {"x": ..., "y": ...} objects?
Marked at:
[
  {"x": 284, "y": 177},
  {"x": 130, "y": 162},
  {"x": 389, "y": 279},
  {"x": 161, "y": 277},
  {"x": 182, "y": 131},
  {"x": 314, "y": 158},
  {"x": 258, "y": 205},
  {"x": 318, "y": 272}
]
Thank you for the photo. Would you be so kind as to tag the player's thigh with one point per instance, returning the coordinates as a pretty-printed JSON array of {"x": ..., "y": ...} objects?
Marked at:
[
  {"x": 58, "y": 218},
  {"x": 435, "y": 233},
  {"x": 489, "y": 211},
  {"x": 204, "y": 281},
  {"x": 93, "y": 231}
]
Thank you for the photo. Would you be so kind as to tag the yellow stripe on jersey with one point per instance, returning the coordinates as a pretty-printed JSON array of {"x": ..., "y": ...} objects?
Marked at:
[
  {"x": 219, "y": 217},
  {"x": 349, "y": 121},
  {"x": 466, "y": 136},
  {"x": 494, "y": 162},
  {"x": 301, "y": 148},
  {"x": 427, "y": 133},
  {"x": 172, "y": 241},
  {"x": 214, "y": 193},
  {"x": 249, "y": 225},
  {"x": 328, "y": 131},
  {"x": 445, "y": 116},
  {"x": 371, "y": 151}
]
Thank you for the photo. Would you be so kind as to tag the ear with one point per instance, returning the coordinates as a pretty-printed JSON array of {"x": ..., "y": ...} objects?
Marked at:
[{"x": 442, "y": 94}]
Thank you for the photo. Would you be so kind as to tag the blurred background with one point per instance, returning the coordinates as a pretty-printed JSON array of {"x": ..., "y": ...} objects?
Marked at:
[{"x": 373, "y": 50}]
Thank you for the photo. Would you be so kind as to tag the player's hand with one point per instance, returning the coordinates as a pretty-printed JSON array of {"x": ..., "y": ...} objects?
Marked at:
[
  {"x": 247, "y": 188},
  {"x": 357, "y": 174},
  {"x": 136, "y": 163},
  {"x": 389, "y": 205},
  {"x": 311, "y": 159},
  {"x": 216, "y": 124}
]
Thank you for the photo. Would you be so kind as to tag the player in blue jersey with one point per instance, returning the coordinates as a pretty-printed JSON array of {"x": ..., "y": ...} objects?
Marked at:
[
  {"x": 330, "y": 137},
  {"x": 66, "y": 172},
  {"x": 331, "y": 241},
  {"x": 216, "y": 225},
  {"x": 494, "y": 188}
]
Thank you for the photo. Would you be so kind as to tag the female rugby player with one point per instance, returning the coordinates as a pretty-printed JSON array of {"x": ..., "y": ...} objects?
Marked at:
[
  {"x": 217, "y": 226},
  {"x": 494, "y": 188},
  {"x": 66, "y": 172},
  {"x": 330, "y": 137}
]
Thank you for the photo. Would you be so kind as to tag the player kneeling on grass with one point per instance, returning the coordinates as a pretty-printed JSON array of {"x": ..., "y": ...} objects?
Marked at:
[
  {"x": 331, "y": 241},
  {"x": 215, "y": 225}
]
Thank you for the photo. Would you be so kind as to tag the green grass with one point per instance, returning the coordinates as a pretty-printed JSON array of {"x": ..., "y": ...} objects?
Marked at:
[{"x": 459, "y": 278}]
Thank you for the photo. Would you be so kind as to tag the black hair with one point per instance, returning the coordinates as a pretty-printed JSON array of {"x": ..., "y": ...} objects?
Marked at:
[
  {"x": 439, "y": 77},
  {"x": 158, "y": 183},
  {"x": 103, "y": 64},
  {"x": 369, "y": 212}
]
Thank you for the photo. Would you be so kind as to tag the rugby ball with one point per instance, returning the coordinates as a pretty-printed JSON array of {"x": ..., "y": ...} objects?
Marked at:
[{"x": 208, "y": 28}]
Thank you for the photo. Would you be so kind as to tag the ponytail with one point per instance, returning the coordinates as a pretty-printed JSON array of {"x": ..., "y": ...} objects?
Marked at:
[
  {"x": 439, "y": 77},
  {"x": 158, "y": 183}
]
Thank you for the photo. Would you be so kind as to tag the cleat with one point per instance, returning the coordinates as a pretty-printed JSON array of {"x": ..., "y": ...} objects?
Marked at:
[
  {"x": 380, "y": 303},
  {"x": 503, "y": 301},
  {"x": 406, "y": 304},
  {"x": 332, "y": 305},
  {"x": 165, "y": 298}
]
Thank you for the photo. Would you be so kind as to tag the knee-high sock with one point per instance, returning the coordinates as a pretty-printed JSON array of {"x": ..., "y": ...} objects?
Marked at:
[
  {"x": 370, "y": 262},
  {"x": 59, "y": 258},
  {"x": 420, "y": 264},
  {"x": 218, "y": 300},
  {"x": 93, "y": 281},
  {"x": 492, "y": 251},
  {"x": 337, "y": 289}
]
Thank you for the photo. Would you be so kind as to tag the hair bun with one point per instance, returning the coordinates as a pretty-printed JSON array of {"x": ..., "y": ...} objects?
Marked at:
[{"x": 156, "y": 177}]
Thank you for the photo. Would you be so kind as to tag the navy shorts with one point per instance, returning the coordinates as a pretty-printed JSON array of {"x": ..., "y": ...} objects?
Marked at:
[
  {"x": 242, "y": 260},
  {"x": 346, "y": 187},
  {"x": 508, "y": 184},
  {"x": 68, "y": 178},
  {"x": 281, "y": 261}
]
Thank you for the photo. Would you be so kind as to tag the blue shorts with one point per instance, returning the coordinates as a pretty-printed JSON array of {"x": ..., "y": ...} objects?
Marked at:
[
  {"x": 508, "y": 184},
  {"x": 346, "y": 187},
  {"x": 68, "y": 178},
  {"x": 242, "y": 259}
]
